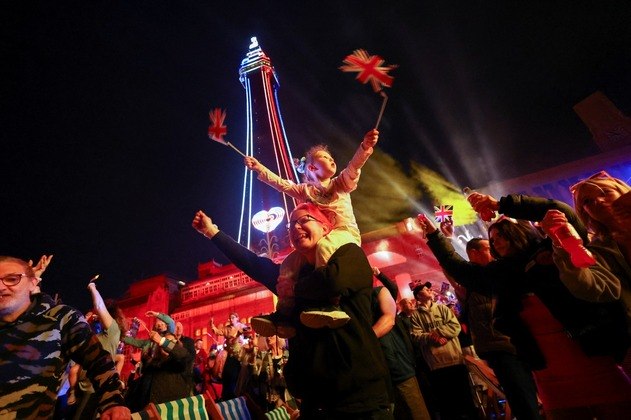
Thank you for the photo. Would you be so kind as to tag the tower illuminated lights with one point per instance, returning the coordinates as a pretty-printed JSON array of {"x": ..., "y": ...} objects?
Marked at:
[{"x": 266, "y": 141}]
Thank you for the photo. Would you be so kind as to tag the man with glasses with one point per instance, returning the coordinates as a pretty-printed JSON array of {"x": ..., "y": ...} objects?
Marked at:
[{"x": 38, "y": 338}]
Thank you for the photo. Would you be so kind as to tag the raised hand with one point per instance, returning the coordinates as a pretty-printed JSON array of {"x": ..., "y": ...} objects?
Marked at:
[
  {"x": 252, "y": 164},
  {"x": 426, "y": 224},
  {"x": 155, "y": 336},
  {"x": 42, "y": 264},
  {"x": 481, "y": 202},
  {"x": 447, "y": 228},
  {"x": 204, "y": 224},
  {"x": 370, "y": 139},
  {"x": 552, "y": 221}
]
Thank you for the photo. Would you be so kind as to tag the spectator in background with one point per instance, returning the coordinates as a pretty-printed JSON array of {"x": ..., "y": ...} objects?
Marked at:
[
  {"x": 212, "y": 377},
  {"x": 397, "y": 347},
  {"x": 189, "y": 344},
  {"x": 603, "y": 204},
  {"x": 512, "y": 371},
  {"x": 408, "y": 307},
  {"x": 108, "y": 330},
  {"x": 233, "y": 333},
  {"x": 199, "y": 366},
  {"x": 435, "y": 329},
  {"x": 164, "y": 364},
  {"x": 271, "y": 380},
  {"x": 533, "y": 307},
  {"x": 37, "y": 340}
]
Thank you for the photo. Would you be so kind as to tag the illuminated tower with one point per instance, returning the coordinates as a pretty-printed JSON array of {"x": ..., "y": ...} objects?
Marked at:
[{"x": 266, "y": 141}]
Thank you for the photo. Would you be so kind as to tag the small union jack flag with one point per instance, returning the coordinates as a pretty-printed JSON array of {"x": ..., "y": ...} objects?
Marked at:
[
  {"x": 216, "y": 130},
  {"x": 443, "y": 213},
  {"x": 369, "y": 68}
]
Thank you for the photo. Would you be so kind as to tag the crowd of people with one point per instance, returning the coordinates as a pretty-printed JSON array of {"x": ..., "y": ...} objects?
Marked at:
[{"x": 554, "y": 333}]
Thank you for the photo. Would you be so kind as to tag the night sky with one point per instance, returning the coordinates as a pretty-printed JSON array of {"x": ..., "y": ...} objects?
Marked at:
[{"x": 105, "y": 156}]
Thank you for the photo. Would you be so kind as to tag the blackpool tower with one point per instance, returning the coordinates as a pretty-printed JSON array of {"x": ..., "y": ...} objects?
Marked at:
[{"x": 264, "y": 211}]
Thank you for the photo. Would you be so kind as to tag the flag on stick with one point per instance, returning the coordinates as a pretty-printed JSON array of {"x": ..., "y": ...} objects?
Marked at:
[
  {"x": 443, "y": 213},
  {"x": 370, "y": 68},
  {"x": 217, "y": 130}
]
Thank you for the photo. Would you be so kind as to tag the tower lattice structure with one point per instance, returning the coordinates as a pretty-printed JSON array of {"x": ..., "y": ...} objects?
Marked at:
[{"x": 266, "y": 140}]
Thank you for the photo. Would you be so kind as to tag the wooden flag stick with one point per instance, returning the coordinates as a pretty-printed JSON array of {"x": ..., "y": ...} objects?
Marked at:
[
  {"x": 143, "y": 325},
  {"x": 383, "y": 107},
  {"x": 233, "y": 146}
]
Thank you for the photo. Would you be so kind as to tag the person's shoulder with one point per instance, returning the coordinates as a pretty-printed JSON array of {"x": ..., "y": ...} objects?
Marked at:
[
  {"x": 113, "y": 332},
  {"x": 349, "y": 249},
  {"x": 442, "y": 308},
  {"x": 44, "y": 305},
  {"x": 376, "y": 290},
  {"x": 416, "y": 314}
]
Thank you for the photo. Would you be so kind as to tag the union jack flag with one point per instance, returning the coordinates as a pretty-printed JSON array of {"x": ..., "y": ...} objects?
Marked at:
[
  {"x": 443, "y": 213},
  {"x": 216, "y": 130},
  {"x": 369, "y": 68}
]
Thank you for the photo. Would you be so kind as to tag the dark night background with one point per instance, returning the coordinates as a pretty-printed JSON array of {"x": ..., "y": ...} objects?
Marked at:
[{"x": 105, "y": 157}]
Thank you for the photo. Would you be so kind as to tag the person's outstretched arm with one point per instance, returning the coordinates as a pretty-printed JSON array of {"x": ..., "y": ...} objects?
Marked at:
[
  {"x": 41, "y": 266},
  {"x": 388, "y": 308},
  {"x": 270, "y": 178},
  {"x": 596, "y": 283},
  {"x": 99, "y": 306},
  {"x": 164, "y": 318},
  {"x": 349, "y": 176},
  {"x": 261, "y": 269},
  {"x": 387, "y": 282},
  {"x": 527, "y": 208},
  {"x": 471, "y": 276}
]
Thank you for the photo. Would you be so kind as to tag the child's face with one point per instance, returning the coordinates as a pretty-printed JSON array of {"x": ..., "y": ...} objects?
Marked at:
[{"x": 323, "y": 165}]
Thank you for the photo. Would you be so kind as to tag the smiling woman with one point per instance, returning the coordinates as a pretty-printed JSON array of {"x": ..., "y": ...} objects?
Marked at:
[
  {"x": 337, "y": 372},
  {"x": 304, "y": 235}
]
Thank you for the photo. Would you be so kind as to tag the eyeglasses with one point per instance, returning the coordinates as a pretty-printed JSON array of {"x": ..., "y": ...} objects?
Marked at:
[
  {"x": 302, "y": 220},
  {"x": 14, "y": 279}
]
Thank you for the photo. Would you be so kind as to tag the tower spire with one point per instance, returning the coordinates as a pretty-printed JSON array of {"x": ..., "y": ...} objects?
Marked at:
[{"x": 266, "y": 140}]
